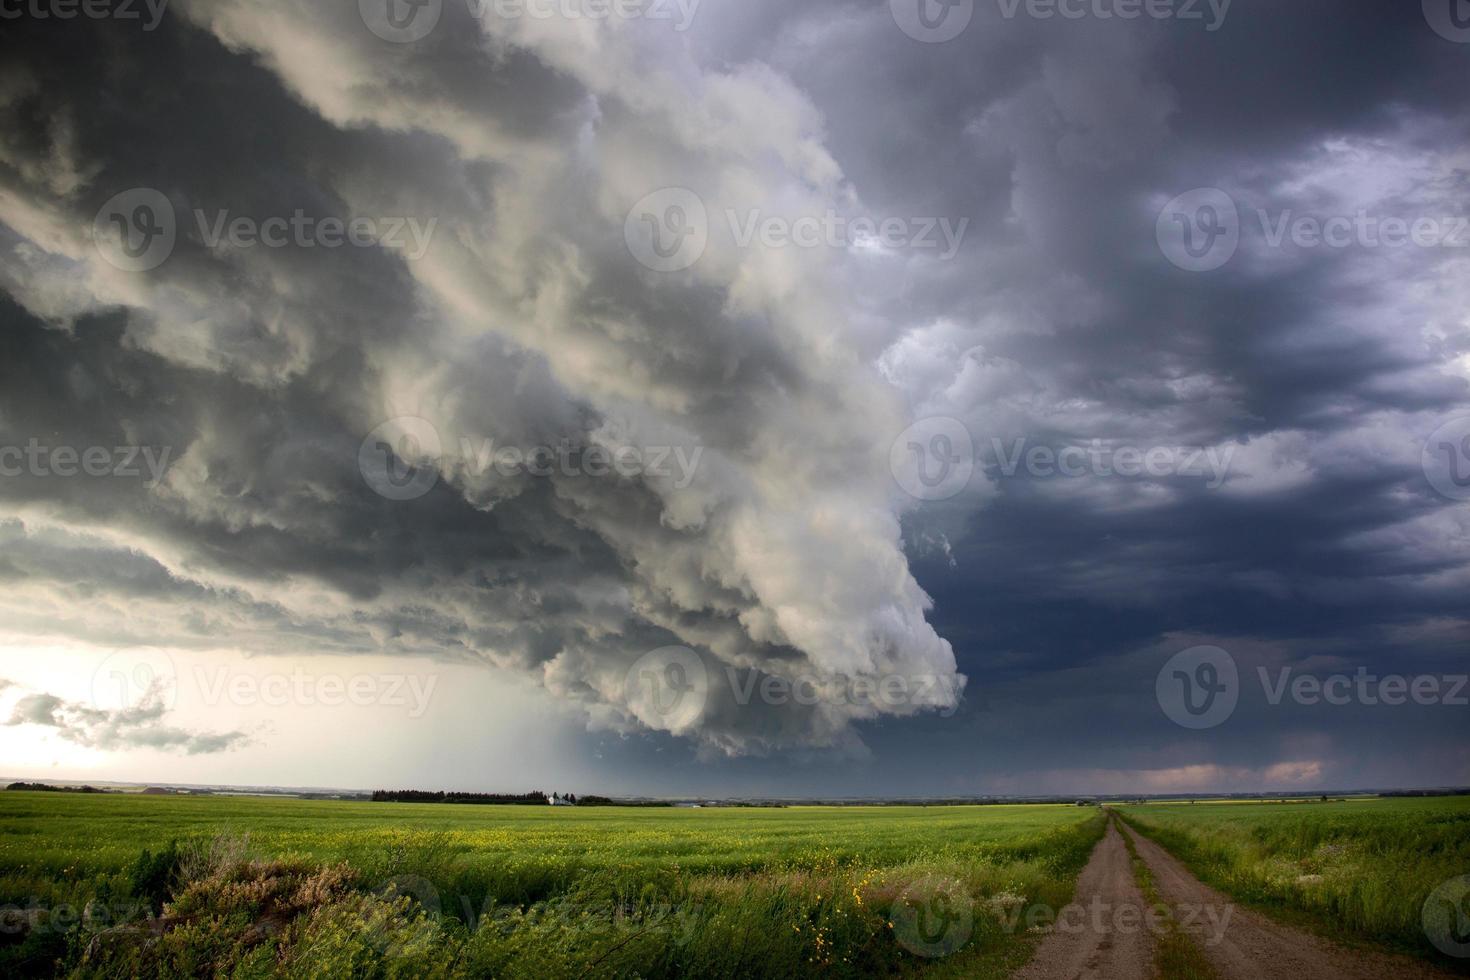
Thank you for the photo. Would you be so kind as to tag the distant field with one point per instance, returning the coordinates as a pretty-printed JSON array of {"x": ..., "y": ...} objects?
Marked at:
[
  {"x": 356, "y": 889},
  {"x": 1359, "y": 870}
]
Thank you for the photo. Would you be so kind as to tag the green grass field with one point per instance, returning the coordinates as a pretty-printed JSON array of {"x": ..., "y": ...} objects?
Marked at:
[
  {"x": 1357, "y": 870},
  {"x": 262, "y": 887},
  {"x": 124, "y": 885}
]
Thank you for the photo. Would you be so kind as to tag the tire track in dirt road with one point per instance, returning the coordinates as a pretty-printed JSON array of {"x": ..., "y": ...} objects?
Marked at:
[
  {"x": 1252, "y": 947},
  {"x": 1101, "y": 935}
]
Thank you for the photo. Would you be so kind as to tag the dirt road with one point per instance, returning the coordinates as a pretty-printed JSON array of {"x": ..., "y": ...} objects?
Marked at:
[
  {"x": 1251, "y": 946},
  {"x": 1100, "y": 935},
  {"x": 1108, "y": 932}
]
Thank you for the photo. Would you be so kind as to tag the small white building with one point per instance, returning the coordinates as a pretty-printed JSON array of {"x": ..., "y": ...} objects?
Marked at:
[{"x": 556, "y": 799}]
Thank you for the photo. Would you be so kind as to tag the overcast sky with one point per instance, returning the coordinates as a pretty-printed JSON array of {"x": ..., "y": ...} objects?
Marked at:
[{"x": 735, "y": 397}]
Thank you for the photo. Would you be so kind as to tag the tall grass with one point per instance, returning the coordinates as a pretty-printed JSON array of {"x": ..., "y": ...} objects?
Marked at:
[
  {"x": 332, "y": 889},
  {"x": 1355, "y": 870}
]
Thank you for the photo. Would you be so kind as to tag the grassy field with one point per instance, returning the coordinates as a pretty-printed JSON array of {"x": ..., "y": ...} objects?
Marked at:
[
  {"x": 1357, "y": 870},
  {"x": 260, "y": 887}
]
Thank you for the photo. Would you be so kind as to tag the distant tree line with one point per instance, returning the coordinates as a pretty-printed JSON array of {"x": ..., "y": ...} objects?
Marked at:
[
  {"x": 608, "y": 801},
  {"x": 535, "y": 798},
  {"x": 44, "y": 788},
  {"x": 485, "y": 799},
  {"x": 1461, "y": 791}
]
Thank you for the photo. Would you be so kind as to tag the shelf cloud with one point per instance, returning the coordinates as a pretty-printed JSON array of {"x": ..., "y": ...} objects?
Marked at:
[{"x": 820, "y": 344}]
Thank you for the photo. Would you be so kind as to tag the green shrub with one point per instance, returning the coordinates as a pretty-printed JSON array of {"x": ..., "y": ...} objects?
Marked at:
[{"x": 154, "y": 875}]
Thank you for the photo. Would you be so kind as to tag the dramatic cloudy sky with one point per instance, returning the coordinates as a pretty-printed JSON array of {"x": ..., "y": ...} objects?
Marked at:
[{"x": 915, "y": 382}]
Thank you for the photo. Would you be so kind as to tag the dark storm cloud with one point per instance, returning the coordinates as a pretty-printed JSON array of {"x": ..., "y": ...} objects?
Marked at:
[
  {"x": 1324, "y": 371},
  {"x": 1317, "y": 373},
  {"x": 523, "y": 323}
]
